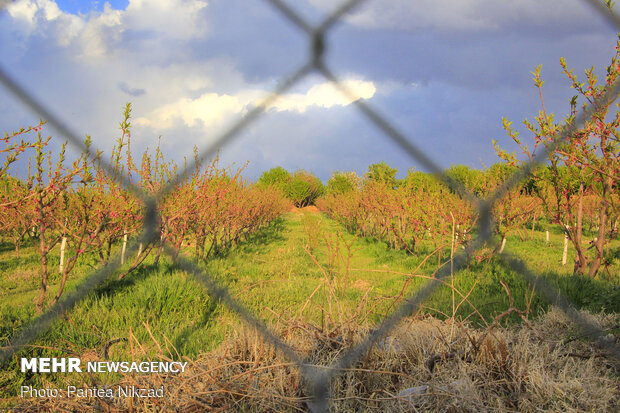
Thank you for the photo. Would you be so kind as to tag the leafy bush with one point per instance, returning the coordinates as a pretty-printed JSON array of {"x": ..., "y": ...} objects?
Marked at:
[
  {"x": 303, "y": 188},
  {"x": 470, "y": 178},
  {"x": 382, "y": 172},
  {"x": 342, "y": 183},
  {"x": 277, "y": 176}
]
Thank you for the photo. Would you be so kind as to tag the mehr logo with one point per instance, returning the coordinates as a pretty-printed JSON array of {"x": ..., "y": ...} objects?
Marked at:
[
  {"x": 73, "y": 365},
  {"x": 51, "y": 365}
]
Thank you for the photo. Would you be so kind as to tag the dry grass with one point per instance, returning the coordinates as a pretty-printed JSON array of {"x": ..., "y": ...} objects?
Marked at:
[
  {"x": 22, "y": 275},
  {"x": 425, "y": 365}
]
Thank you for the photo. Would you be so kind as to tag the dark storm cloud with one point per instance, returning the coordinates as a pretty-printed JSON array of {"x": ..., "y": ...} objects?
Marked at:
[
  {"x": 501, "y": 60},
  {"x": 470, "y": 18},
  {"x": 262, "y": 44},
  {"x": 131, "y": 91}
]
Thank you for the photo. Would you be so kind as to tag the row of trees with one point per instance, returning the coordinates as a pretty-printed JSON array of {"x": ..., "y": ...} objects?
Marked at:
[
  {"x": 404, "y": 212},
  {"x": 581, "y": 174},
  {"x": 402, "y": 216},
  {"x": 87, "y": 211},
  {"x": 576, "y": 187}
]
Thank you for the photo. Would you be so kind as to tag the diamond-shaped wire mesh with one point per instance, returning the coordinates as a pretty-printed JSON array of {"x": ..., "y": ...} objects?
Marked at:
[{"x": 318, "y": 379}]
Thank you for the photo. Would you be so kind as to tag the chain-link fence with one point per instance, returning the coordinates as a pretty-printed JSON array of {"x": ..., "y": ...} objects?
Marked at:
[{"x": 318, "y": 379}]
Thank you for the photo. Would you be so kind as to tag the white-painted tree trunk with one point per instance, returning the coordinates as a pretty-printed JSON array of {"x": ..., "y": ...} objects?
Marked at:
[
  {"x": 124, "y": 248},
  {"x": 63, "y": 246},
  {"x": 140, "y": 249},
  {"x": 501, "y": 249},
  {"x": 565, "y": 253},
  {"x": 547, "y": 236}
]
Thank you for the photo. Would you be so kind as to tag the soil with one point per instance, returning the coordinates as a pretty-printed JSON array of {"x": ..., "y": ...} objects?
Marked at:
[{"x": 310, "y": 209}]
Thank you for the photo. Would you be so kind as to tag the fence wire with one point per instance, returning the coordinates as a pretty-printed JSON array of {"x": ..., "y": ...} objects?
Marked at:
[{"x": 317, "y": 377}]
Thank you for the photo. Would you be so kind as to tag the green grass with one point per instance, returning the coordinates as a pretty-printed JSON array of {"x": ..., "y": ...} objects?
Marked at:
[{"x": 162, "y": 311}]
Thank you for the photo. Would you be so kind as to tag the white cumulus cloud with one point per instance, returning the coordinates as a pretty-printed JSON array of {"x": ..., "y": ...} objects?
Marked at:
[
  {"x": 209, "y": 109},
  {"x": 212, "y": 110},
  {"x": 98, "y": 33},
  {"x": 172, "y": 18},
  {"x": 326, "y": 95}
]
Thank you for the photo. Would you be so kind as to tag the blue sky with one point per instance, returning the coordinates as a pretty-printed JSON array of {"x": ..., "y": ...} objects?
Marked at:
[
  {"x": 443, "y": 72},
  {"x": 85, "y": 7}
]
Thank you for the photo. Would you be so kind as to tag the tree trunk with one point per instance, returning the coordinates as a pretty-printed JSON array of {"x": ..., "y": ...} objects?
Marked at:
[
  {"x": 162, "y": 240},
  {"x": 140, "y": 257},
  {"x": 108, "y": 252},
  {"x": 603, "y": 216},
  {"x": 63, "y": 281},
  {"x": 581, "y": 261},
  {"x": 43, "y": 251}
]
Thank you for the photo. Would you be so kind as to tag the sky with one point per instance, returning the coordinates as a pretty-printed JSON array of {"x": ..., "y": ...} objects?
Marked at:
[{"x": 443, "y": 73}]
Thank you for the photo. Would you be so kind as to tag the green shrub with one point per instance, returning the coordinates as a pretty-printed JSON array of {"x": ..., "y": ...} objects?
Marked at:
[
  {"x": 303, "y": 188},
  {"x": 382, "y": 172},
  {"x": 342, "y": 183},
  {"x": 277, "y": 176}
]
